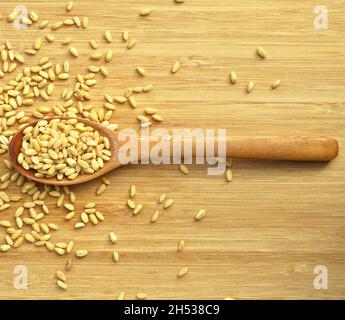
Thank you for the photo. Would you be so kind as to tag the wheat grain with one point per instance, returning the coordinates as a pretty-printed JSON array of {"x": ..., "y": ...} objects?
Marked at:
[
  {"x": 33, "y": 16},
  {"x": 132, "y": 191},
  {"x": 108, "y": 56},
  {"x": 69, "y": 206},
  {"x": 68, "y": 265},
  {"x": 233, "y": 77},
  {"x": 145, "y": 12},
  {"x": 77, "y": 21},
  {"x": 57, "y": 25},
  {"x": 105, "y": 180},
  {"x": 73, "y": 51},
  {"x": 50, "y": 38},
  {"x": 66, "y": 41},
  {"x": 93, "y": 219},
  {"x": 43, "y": 24},
  {"x": 121, "y": 296},
  {"x": 141, "y": 296},
  {"x": 69, "y": 6},
  {"x": 276, "y": 84},
  {"x": 182, "y": 272},
  {"x": 59, "y": 251},
  {"x": 116, "y": 256},
  {"x": 100, "y": 189},
  {"x": 12, "y": 16},
  {"x": 84, "y": 217},
  {"x": 81, "y": 253},
  {"x": 85, "y": 22},
  {"x": 180, "y": 245},
  {"x": 5, "y": 247},
  {"x": 125, "y": 35},
  {"x": 175, "y": 67},
  {"x": 261, "y": 52},
  {"x": 131, "y": 204},
  {"x": 150, "y": 111},
  {"x": 168, "y": 203},
  {"x": 200, "y": 215},
  {"x": 157, "y": 118},
  {"x": 138, "y": 209},
  {"x": 96, "y": 55},
  {"x": 37, "y": 44},
  {"x": 141, "y": 71},
  {"x": 61, "y": 276},
  {"x": 112, "y": 237},
  {"x": 93, "y": 44},
  {"x": 228, "y": 175},
  {"x": 162, "y": 198},
  {"x": 250, "y": 86},
  {"x": 62, "y": 285},
  {"x": 107, "y": 36},
  {"x": 155, "y": 217},
  {"x": 131, "y": 43}
]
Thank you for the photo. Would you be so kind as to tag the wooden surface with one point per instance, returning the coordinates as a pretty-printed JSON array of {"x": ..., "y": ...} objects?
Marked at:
[{"x": 266, "y": 231}]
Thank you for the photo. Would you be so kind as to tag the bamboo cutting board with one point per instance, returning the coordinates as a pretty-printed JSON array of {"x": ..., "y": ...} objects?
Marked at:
[{"x": 265, "y": 232}]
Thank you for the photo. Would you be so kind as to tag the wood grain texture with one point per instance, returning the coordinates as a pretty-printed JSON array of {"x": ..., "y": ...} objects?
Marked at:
[{"x": 264, "y": 232}]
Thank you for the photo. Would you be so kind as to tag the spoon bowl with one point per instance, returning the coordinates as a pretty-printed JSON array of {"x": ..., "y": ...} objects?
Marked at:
[{"x": 16, "y": 144}]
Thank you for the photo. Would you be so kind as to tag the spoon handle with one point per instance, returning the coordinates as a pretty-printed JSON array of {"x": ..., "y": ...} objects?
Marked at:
[{"x": 308, "y": 149}]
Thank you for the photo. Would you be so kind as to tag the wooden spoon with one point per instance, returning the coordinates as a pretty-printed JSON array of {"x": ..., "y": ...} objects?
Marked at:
[{"x": 311, "y": 149}]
